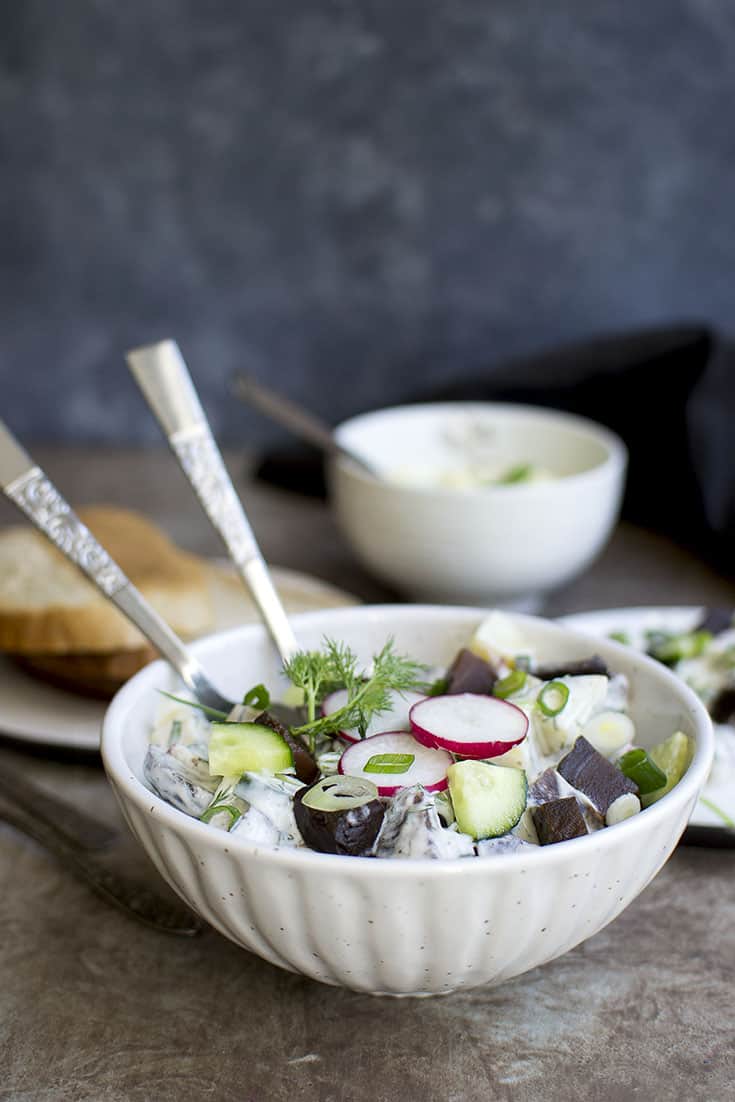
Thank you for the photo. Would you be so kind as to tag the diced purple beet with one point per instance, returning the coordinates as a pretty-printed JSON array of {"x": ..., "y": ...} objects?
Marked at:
[
  {"x": 585, "y": 666},
  {"x": 593, "y": 775},
  {"x": 470, "y": 674},
  {"x": 716, "y": 620},
  {"x": 351, "y": 832},
  {"x": 550, "y": 786},
  {"x": 306, "y": 768},
  {"x": 558, "y": 821},
  {"x": 547, "y": 786}
]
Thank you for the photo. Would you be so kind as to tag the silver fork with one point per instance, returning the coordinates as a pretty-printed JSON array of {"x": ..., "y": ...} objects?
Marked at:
[
  {"x": 162, "y": 375},
  {"x": 26, "y": 485}
]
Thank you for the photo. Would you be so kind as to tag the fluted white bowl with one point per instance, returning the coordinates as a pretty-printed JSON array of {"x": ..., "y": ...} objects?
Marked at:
[
  {"x": 479, "y": 545},
  {"x": 404, "y": 927}
]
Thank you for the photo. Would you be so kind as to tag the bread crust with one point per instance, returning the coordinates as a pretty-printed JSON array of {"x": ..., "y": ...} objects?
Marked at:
[
  {"x": 76, "y": 619},
  {"x": 95, "y": 675}
]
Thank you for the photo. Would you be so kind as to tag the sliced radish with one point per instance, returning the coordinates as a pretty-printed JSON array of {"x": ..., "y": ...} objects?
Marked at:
[
  {"x": 408, "y": 760},
  {"x": 394, "y": 720},
  {"x": 468, "y": 724}
]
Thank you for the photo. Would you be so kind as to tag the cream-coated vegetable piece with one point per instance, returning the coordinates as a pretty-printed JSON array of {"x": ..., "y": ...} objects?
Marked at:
[{"x": 385, "y": 759}]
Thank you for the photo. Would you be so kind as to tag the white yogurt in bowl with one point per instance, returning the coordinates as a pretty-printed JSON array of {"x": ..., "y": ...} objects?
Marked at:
[{"x": 449, "y": 519}]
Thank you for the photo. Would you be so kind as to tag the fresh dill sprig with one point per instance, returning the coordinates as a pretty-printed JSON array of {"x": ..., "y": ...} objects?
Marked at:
[{"x": 336, "y": 666}]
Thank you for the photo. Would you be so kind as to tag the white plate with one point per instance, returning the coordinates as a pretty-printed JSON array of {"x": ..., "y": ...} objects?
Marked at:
[
  {"x": 716, "y": 806},
  {"x": 32, "y": 711}
]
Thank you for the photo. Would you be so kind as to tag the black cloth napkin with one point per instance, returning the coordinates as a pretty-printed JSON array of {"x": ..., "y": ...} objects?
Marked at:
[{"x": 669, "y": 393}]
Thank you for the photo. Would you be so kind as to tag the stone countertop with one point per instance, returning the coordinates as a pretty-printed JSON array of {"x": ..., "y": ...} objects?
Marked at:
[{"x": 94, "y": 1006}]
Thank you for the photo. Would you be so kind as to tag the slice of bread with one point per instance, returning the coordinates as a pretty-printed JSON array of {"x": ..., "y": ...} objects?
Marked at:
[
  {"x": 47, "y": 607},
  {"x": 96, "y": 675}
]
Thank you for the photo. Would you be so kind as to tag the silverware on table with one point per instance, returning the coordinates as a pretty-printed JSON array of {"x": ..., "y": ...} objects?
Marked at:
[
  {"x": 78, "y": 840},
  {"x": 26, "y": 485},
  {"x": 163, "y": 377},
  {"x": 301, "y": 422},
  {"x": 76, "y": 826}
]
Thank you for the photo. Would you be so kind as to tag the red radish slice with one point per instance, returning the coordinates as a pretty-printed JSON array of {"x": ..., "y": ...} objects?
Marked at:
[
  {"x": 428, "y": 768},
  {"x": 468, "y": 724},
  {"x": 394, "y": 720}
]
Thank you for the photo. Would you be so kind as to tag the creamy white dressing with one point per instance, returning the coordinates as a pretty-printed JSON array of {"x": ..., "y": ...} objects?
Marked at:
[
  {"x": 469, "y": 476},
  {"x": 411, "y": 826}
]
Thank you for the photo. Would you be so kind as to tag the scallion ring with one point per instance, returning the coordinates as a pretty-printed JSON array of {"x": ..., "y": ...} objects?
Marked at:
[
  {"x": 511, "y": 684},
  {"x": 553, "y": 698},
  {"x": 642, "y": 770},
  {"x": 257, "y": 697},
  {"x": 214, "y": 809},
  {"x": 389, "y": 763}
]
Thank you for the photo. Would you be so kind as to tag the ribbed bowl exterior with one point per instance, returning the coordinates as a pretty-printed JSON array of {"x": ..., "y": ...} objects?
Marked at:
[
  {"x": 422, "y": 935},
  {"x": 407, "y": 927}
]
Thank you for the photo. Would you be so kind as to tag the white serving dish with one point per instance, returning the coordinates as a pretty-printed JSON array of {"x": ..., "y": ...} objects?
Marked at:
[
  {"x": 404, "y": 927},
  {"x": 493, "y": 544}
]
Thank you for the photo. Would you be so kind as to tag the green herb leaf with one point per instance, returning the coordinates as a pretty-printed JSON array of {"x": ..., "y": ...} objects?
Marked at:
[
  {"x": 214, "y": 809},
  {"x": 522, "y": 472},
  {"x": 389, "y": 763},
  {"x": 336, "y": 666},
  {"x": 438, "y": 687},
  {"x": 212, "y": 712},
  {"x": 257, "y": 697}
]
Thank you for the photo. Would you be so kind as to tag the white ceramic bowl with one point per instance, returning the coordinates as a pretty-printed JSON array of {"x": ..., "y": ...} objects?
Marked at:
[
  {"x": 494, "y": 544},
  {"x": 404, "y": 926}
]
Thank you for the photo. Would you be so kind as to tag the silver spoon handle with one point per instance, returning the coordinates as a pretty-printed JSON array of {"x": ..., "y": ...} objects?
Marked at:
[
  {"x": 301, "y": 422},
  {"x": 162, "y": 375},
  {"x": 26, "y": 485}
]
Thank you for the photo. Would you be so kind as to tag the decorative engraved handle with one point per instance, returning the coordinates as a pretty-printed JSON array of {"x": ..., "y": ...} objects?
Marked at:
[
  {"x": 45, "y": 507},
  {"x": 163, "y": 376},
  {"x": 26, "y": 485},
  {"x": 201, "y": 462}
]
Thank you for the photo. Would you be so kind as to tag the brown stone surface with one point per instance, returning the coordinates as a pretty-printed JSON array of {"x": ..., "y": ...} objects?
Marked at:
[{"x": 95, "y": 1007}]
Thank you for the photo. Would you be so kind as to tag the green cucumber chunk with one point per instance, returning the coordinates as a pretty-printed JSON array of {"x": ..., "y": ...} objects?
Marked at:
[
  {"x": 673, "y": 756},
  {"x": 488, "y": 800},
  {"x": 237, "y": 748}
]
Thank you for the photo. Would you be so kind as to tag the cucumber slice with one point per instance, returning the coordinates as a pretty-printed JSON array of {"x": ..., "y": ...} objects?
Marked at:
[
  {"x": 237, "y": 748},
  {"x": 488, "y": 800}
]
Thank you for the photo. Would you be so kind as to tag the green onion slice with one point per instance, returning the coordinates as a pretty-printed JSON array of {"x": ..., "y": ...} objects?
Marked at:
[
  {"x": 620, "y": 637},
  {"x": 511, "y": 684},
  {"x": 389, "y": 763},
  {"x": 438, "y": 687},
  {"x": 553, "y": 698},
  {"x": 257, "y": 697},
  {"x": 340, "y": 793},
  {"x": 642, "y": 770},
  {"x": 214, "y": 809},
  {"x": 674, "y": 648},
  {"x": 522, "y": 472}
]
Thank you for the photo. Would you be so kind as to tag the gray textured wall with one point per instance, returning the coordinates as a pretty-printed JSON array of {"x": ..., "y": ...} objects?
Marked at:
[{"x": 345, "y": 196}]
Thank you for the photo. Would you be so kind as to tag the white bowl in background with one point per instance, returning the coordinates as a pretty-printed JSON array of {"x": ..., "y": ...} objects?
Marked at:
[
  {"x": 404, "y": 927},
  {"x": 492, "y": 544}
]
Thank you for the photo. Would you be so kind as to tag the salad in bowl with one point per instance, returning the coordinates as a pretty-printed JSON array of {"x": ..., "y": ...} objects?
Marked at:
[
  {"x": 495, "y": 753},
  {"x": 443, "y": 885}
]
